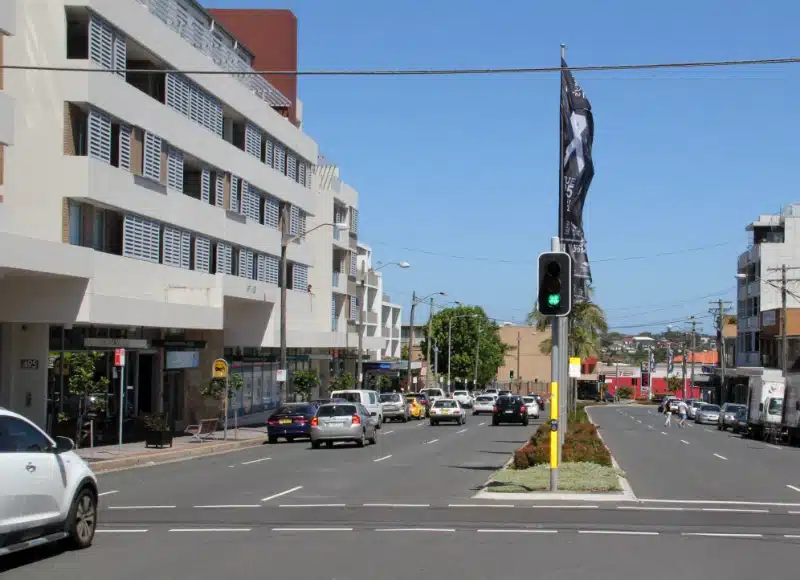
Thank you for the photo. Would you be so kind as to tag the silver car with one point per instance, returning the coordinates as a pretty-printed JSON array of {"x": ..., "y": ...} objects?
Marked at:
[
  {"x": 394, "y": 407},
  {"x": 727, "y": 415},
  {"x": 707, "y": 414},
  {"x": 694, "y": 405},
  {"x": 343, "y": 422}
]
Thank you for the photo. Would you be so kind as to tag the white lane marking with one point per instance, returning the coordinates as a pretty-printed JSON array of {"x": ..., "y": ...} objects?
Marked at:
[
  {"x": 792, "y": 536},
  {"x": 141, "y": 507},
  {"x": 310, "y": 505},
  {"x": 735, "y": 510},
  {"x": 312, "y": 529},
  {"x": 795, "y": 513},
  {"x": 618, "y": 532},
  {"x": 721, "y": 535},
  {"x": 721, "y": 457},
  {"x": 793, "y": 487},
  {"x": 382, "y": 458},
  {"x": 489, "y": 531},
  {"x": 257, "y": 460},
  {"x": 690, "y": 424},
  {"x": 481, "y": 424},
  {"x": 388, "y": 432},
  {"x": 663, "y": 432},
  {"x": 637, "y": 420},
  {"x": 288, "y": 491},
  {"x": 107, "y": 493},
  {"x": 684, "y": 441},
  {"x": 231, "y": 466},
  {"x": 773, "y": 446},
  {"x": 713, "y": 502},
  {"x": 103, "y": 531},
  {"x": 462, "y": 431},
  {"x": 211, "y": 529},
  {"x": 415, "y": 530},
  {"x": 480, "y": 505},
  {"x": 707, "y": 430},
  {"x": 399, "y": 505},
  {"x": 420, "y": 424},
  {"x": 227, "y": 506},
  {"x": 561, "y": 507},
  {"x": 649, "y": 426},
  {"x": 431, "y": 441},
  {"x": 651, "y": 509}
]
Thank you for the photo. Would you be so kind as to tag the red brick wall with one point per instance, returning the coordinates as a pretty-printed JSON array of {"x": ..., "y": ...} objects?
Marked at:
[{"x": 271, "y": 35}]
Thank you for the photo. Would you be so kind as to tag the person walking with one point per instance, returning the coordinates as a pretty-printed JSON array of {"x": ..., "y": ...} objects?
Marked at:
[
  {"x": 683, "y": 412},
  {"x": 668, "y": 413}
]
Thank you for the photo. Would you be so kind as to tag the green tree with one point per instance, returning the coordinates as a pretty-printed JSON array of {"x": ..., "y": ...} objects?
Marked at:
[
  {"x": 342, "y": 382},
  {"x": 469, "y": 323},
  {"x": 587, "y": 326},
  {"x": 674, "y": 384},
  {"x": 381, "y": 382},
  {"x": 404, "y": 352},
  {"x": 215, "y": 388},
  {"x": 624, "y": 392},
  {"x": 86, "y": 385},
  {"x": 304, "y": 383}
]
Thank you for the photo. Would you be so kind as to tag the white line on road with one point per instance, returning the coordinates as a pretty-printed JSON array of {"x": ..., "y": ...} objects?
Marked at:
[
  {"x": 227, "y": 506},
  {"x": 618, "y": 532},
  {"x": 462, "y": 431},
  {"x": 684, "y": 441},
  {"x": 717, "y": 502},
  {"x": 480, "y": 505},
  {"x": 211, "y": 529},
  {"x": 721, "y": 457},
  {"x": 721, "y": 535},
  {"x": 481, "y": 424},
  {"x": 388, "y": 432},
  {"x": 415, "y": 530},
  {"x": 288, "y": 491},
  {"x": 637, "y": 420},
  {"x": 735, "y": 510},
  {"x": 663, "y": 432},
  {"x": 422, "y": 424},
  {"x": 489, "y": 531},
  {"x": 103, "y": 531},
  {"x": 775, "y": 447},
  {"x": 310, "y": 505},
  {"x": 107, "y": 493},
  {"x": 397, "y": 505},
  {"x": 707, "y": 430},
  {"x": 257, "y": 460},
  {"x": 312, "y": 529},
  {"x": 431, "y": 441},
  {"x": 793, "y": 487},
  {"x": 651, "y": 509},
  {"x": 561, "y": 507},
  {"x": 141, "y": 507},
  {"x": 649, "y": 426},
  {"x": 382, "y": 458},
  {"x": 792, "y": 536}
]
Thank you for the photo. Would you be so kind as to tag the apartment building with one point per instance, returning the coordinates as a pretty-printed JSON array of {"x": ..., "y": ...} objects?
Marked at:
[
  {"x": 775, "y": 242},
  {"x": 381, "y": 318},
  {"x": 149, "y": 210},
  {"x": 7, "y": 28}
]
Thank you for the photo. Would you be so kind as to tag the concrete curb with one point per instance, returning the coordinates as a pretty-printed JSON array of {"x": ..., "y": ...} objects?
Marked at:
[{"x": 151, "y": 459}]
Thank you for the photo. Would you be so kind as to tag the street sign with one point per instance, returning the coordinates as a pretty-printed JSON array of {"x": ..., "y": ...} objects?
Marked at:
[
  {"x": 119, "y": 357},
  {"x": 646, "y": 380},
  {"x": 281, "y": 375},
  {"x": 574, "y": 367},
  {"x": 220, "y": 368}
]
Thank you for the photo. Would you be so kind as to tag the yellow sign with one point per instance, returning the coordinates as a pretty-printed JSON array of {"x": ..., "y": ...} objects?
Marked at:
[
  {"x": 553, "y": 420},
  {"x": 220, "y": 368},
  {"x": 574, "y": 360}
]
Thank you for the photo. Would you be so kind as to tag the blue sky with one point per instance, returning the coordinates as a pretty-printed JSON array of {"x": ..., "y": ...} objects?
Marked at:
[{"x": 467, "y": 166}]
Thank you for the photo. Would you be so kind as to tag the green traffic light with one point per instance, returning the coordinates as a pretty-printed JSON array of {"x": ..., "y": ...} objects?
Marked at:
[{"x": 553, "y": 299}]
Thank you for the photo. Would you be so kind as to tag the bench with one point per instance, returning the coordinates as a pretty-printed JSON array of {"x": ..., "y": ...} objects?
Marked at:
[{"x": 203, "y": 431}]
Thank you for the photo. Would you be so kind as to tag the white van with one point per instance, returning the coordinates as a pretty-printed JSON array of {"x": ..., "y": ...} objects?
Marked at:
[
  {"x": 370, "y": 399},
  {"x": 433, "y": 394}
]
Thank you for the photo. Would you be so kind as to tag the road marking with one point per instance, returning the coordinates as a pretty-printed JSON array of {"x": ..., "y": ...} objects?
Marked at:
[
  {"x": 107, "y": 493},
  {"x": 637, "y": 420},
  {"x": 382, "y": 458},
  {"x": 310, "y": 505},
  {"x": 211, "y": 529},
  {"x": 462, "y": 431},
  {"x": 420, "y": 424},
  {"x": 481, "y": 424},
  {"x": 792, "y": 536},
  {"x": 227, "y": 506},
  {"x": 388, "y": 432},
  {"x": 663, "y": 432},
  {"x": 312, "y": 529},
  {"x": 721, "y": 535},
  {"x": 103, "y": 531},
  {"x": 288, "y": 491},
  {"x": 141, "y": 507},
  {"x": 649, "y": 426},
  {"x": 649, "y": 509},
  {"x": 575, "y": 507},
  {"x": 480, "y": 505},
  {"x": 618, "y": 532},
  {"x": 706, "y": 501},
  {"x": 257, "y": 460},
  {"x": 431, "y": 441},
  {"x": 400, "y": 505},
  {"x": 793, "y": 487},
  {"x": 415, "y": 530},
  {"x": 684, "y": 441},
  {"x": 489, "y": 531},
  {"x": 773, "y": 446},
  {"x": 721, "y": 457},
  {"x": 707, "y": 430},
  {"x": 734, "y": 510}
]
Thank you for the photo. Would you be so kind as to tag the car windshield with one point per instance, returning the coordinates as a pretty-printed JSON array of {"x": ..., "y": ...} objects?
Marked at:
[
  {"x": 775, "y": 406},
  {"x": 352, "y": 397},
  {"x": 735, "y": 408},
  {"x": 295, "y": 410},
  {"x": 507, "y": 401},
  {"x": 336, "y": 411},
  {"x": 711, "y": 408},
  {"x": 460, "y": 393},
  {"x": 529, "y": 400},
  {"x": 391, "y": 398},
  {"x": 484, "y": 399},
  {"x": 447, "y": 404}
]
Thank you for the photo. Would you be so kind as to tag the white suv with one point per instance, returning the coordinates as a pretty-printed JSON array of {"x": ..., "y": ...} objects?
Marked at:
[{"x": 48, "y": 493}]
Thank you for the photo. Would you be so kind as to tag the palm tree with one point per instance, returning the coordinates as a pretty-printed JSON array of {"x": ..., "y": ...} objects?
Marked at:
[{"x": 587, "y": 325}]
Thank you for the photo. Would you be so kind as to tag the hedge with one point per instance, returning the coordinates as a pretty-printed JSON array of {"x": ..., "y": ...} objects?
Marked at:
[{"x": 582, "y": 444}]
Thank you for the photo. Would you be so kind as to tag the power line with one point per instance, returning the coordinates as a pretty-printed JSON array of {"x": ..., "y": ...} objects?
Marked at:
[
  {"x": 424, "y": 72},
  {"x": 659, "y": 322},
  {"x": 649, "y": 310}
]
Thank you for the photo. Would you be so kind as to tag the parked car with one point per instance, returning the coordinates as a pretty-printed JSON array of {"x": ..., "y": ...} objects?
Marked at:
[
  {"x": 484, "y": 404},
  {"x": 694, "y": 406},
  {"x": 532, "y": 406},
  {"x": 49, "y": 493},
  {"x": 351, "y": 422},
  {"x": 370, "y": 399},
  {"x": 509, "y": 410},
  {"x": 394, "y": 407},
  {"x": 464, "y": 398},
  {"x": 739, "y": 423},
  {"x": 727, "y": 414},
  {"x": 540, "y": 400},
  {"x": 707, "y": 414},
  {"x": 662, "y": 405},
  {"x": 674, "y": 404},
  {"x": 291, "y": 421},
  {"x": 447, "y": 410}
]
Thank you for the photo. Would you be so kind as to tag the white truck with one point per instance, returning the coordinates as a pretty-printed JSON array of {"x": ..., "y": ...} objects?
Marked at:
[
  {"x": 765, "y": 404},
  {"x": 791, "y": 408}
]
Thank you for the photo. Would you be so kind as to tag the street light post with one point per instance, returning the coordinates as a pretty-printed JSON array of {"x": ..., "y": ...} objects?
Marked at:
[
  {"x": 414, "y": 302},
  {"x": 287, "y": 239},
  {"x": 477, "y": 356}
]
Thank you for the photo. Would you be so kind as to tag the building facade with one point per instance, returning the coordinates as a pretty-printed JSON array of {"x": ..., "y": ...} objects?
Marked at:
[
  {"x": 524, "y": 360},
  {"x": 145, "y": 208}
]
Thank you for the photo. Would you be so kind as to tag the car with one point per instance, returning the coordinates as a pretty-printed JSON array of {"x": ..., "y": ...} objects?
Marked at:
[
  {"x": 504, "y": 393},
  {"x": 707, "y": 414},
  {"x": 433, "y": 394},
  {"x": 727, "y": 414},
  {"x": 447, "y": 410},
  {"x": 350, "y": 422},
  {"x": 674, "y": 404},
  {"x": 483, "y": 404},
  {"x": 693, "y": 406},
  {"x": 509, "y": 409},
  {"x": 464, "y": 398},
  {"x": 50, "y": 493},
  {"x": 608, "y": 397},
  {"x": 739, "y": 423},
  {"x": 394, "y": 407},
  {"x": 532, "y": 405},
  {"x": 291, "y": 421},
  {"x": 540, "y": 400},
  {"x": 416, "y": 410},
  {"x": 370, "y": 399}
]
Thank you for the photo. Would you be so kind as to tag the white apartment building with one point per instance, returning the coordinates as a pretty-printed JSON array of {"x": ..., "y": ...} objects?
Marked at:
[
  {"x": 381, "y": 318},
  {"x": 775, "y": 241},
  {"x": 146, "y": 209}
]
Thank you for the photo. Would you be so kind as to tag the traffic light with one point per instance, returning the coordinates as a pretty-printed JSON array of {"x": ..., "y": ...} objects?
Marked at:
[{"x": 555, "y": 284}]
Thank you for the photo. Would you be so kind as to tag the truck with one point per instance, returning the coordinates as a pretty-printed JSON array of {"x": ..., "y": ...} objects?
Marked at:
[
  {"x": 765, "y": 404},
  {"x": 791, "y": 409}
]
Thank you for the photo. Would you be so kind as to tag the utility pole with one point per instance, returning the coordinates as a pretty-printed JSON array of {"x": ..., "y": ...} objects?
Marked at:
[
  {"x": 719, "y": 322},
  {"x": 429, "y": 341},
  {"x": 519, "y": 340},
  {"x": 282, "y": 394},
  {"x": 411, "y": 334},
  {"x": 477, "y": 356},
  {"x": 436, "y": 358},
  {"x": 694, "y": 347},
  {"x": 361, "y": 307}
]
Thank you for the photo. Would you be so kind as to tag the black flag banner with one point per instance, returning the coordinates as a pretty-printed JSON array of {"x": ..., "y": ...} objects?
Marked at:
[{"x": 577, "y": 136}]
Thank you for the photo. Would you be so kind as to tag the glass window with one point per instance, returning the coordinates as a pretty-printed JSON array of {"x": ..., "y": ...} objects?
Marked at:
[
  {"x": 440, "y": 404},
  {"x": 391, "y": 398},
  {"x": 75, "y": 222},
  {"x": 99, "y": 230},
  {"x": 775, "y": 406},
  {"x": 17, "y": 436},
  {"x": 336, "y": 411}
]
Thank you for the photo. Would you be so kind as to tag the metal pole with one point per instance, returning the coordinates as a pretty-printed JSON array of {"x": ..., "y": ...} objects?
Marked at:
[
  {"x": 436, "y": 359},
  {"x": 428, "y": 341},
  {"x": 121, "y": 404},
  {"x": 449, "y": 348},
  {"x": 477, "y": 355},
  {"x": 225, "y": 422},
  {"x": 784, "y": 329},
  {"x": 411, "y": 335},
  {"x": 683, "y": 363},
  {"x": 519, "y": 339},
  {"x": 561, "y": 322},
  {"x": 360, "y": 322},
  {"x": 61, "y": 372},
  {"x": 555, "y": 403},
  {"x": 283, "y": 356},
  {"x": 694, "y": 347}
]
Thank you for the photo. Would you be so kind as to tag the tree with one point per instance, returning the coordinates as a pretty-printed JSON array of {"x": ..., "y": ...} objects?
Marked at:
[
  {"x": 86, "y": 385},
  {"x": 674, "y": 384},
  {"x": 587, "y": 326},
  {"x": 624, "y": 393},
  {"x": 381, "y": 382},
  {"x": 215, "y": 389},
  {"x": 469, "y": 323},
  {"x": 304, "y": 383},
  {"x": 342, "y": 382},
  {"x": 404, "y": 352}
]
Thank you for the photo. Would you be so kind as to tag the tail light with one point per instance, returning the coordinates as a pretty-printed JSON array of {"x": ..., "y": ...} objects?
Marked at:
[
  {"x": 356, "y": 420},
  {"x": 314, "y": 422},
  {"x": 272, "y": 422},
  {"x": 494, "y": 409}
]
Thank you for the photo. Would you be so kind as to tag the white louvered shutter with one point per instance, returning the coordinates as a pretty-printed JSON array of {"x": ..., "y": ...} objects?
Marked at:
[
  {"x": 171, "y": 247},
  {"x": 353, "y": 307},
  {"x": 141, "y": 239},
  {"x": 334, "y": 321},
  {"x": 125, "y": 134},
  {"x": 252, "y": 140},
  {"x": 175, "y": 169},
  {"x": 205, "y": 185},
  {"x": 294, "y": 220},
  {"x": 271, "y": 268},
  {"x": 268, "y": 151},
  {"x": 233, "y": 204},
  {"x": 279, "y": 158},
  {"x": 251, "y": 198},
  {"x": 272, "y": 212},
  {"x": 301, "y": 173},
  {"x": 250, "y": 265},
  {"x": 152, "y": 156},
  {"x": 120, "y": 54},
  {"x": 291, "y": 166},
  {"x": 242, "y": 263},
  {"x": 195, "y": 104},
  {"x": 219, "y": 188},
  {"x": 354, "y": 220},
  {"x": 224, "y": 256},
  {"x": 308, "y": 175},
  {"x": 261, "y": 268},
  {"x": 301, "y": 223},
  {"x": 101, "y": 42},
  {"x": 174, "y": 94},
  {"x": 300, "y": 277},
  {"x": 353, "y": 261},
  {"x": 186, "y": 250},
  {"x": 99, "y": 129},
  {"x": 202, "y": 254}
]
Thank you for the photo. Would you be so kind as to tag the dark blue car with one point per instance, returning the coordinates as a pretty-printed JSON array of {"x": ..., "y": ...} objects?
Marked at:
[{"x": 291, "y": 421}]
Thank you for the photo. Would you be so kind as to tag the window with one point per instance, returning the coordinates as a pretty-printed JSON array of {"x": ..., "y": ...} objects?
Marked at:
[
  {"x": 233, "y": 204},
  {"x": 175, "y": 169},
  {"x": 224, "y": 258},
  {"x": 252, "y": 140},
  {"x": 219, "y": 189},
  {"x": 272, "y": 212},
  {"x": 18, "y": 436},
  {"x": 99, "y": 131},
  {"x": 75, "y": 222},
  {"x": 338, "y": 410},
  {"x": 294, "y": 219},
  {"x": 202, "y": 254},
  {"x": 300, "y": 277},
  {"x": 152, "y": 156},
  {"x": 141, "y": 238},
  {"x": 354, "y": 220},
  {"x": 267, "y": 269},
  {"x": 185, "y": 97},
  {"x": 177, "y": 249},
  {"x": 279, "y": 158}
]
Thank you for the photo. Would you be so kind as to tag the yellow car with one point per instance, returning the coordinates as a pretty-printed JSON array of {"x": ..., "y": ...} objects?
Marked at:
[{"x": 415, "y": 410}]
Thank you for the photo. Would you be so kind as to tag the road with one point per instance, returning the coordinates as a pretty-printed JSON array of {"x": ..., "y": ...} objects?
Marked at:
[{"x": 406, "y": 506}]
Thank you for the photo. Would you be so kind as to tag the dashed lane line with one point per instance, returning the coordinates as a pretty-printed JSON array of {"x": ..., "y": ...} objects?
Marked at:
[
  {"x": 286, "y": 492},
  {"x": 792, "y": 487},
  {"x": 211, "y": 530},
  {"x": 618, "y": 532},
  {"x": 734, "y": 510},
  {"x": 312, "y": 529},
  {"x": 663, "y": 432},
  {"x": 396, "y": 505},
  {"x": 113, "y": 491},
  {"x": 120, "y": 531},
  {"x": 384, "y": 458},
  {"x": 684, "y": 441},
  {"x": 312, "y": 505},
  {"x": 480, "y": 505},
  {"x": 141, "y": 507},
  {"x": 481, "y": 424},
  {"x": 256, "y": 461},
  {"x": 227, "y": 506},
  {"x": 721, "y": 535},
  {"x": 442, "y": 530},
  {"x": 720, "y": 457},
  {"x": 388, "y": 432},
  {"x": 520, "y": 531},
  {"x": 431, "y": 441},
  {"x": 462, "y": 431}
]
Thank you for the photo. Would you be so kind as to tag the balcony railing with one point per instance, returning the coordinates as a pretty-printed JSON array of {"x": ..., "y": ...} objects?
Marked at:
[
  {"x": 335, "y": 280},
  {"x": 180, "y": 18},
  {"x": 372, "y": 318}
]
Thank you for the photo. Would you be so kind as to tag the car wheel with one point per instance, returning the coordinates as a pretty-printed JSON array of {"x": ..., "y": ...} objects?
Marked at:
[
  {"x": 380, "y": 420},
  {"x": 82, "y": 519},
  {"x": 363, "y": 441},
  {"x": 495, "y": 422},
  {"x": 289, "y": 439},
  {"x": 329, "y": 444},
  {"x": 374, "y": 439},
  {"x": 315, "y": 444},
  {"x": 273, "y": 440}
]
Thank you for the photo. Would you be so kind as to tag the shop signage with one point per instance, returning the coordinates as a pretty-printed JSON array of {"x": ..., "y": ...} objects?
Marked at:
[
  {"x": 187, "y": 344},
  {"x": 119, "y": 357},
  {"x": 574, "y": 367},
  {"x": 281, "y": 375},
  {"x": 182, "y": 359},
  {"x": 131, "y": 343},
  {"x": 29, "y": 364},
  {"x": 220, "y": 368}
]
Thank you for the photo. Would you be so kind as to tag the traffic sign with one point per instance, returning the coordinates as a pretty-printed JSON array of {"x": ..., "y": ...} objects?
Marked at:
[
  {"x": 220, "y": 369},
  {"x": 119, "y": 357},
  {"x": 574, "y": 367}
]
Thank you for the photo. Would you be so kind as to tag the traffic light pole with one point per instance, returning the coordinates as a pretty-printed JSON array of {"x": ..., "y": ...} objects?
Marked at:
[{"x": 558, "y": 380}]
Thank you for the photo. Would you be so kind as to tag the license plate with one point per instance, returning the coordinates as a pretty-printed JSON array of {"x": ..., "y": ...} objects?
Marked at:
[
  {"x": 445, "y": 412},
  {"x": 286, "y": 421},
  {"x": 509, "y": 412}
]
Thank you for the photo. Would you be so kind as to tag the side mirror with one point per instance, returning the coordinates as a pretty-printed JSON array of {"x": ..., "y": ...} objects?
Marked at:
[
  {"x": 373, "y": 414},
  {"x": 64, "y": 444}
]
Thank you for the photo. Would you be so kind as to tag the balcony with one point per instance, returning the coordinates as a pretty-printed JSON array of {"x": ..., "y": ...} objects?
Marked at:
[
  {"x": 371, "y": 318},
  {"x": 339, "y": 283},
  {"x": 395, "y": 333},
  {"x": 386, "y": 332}
]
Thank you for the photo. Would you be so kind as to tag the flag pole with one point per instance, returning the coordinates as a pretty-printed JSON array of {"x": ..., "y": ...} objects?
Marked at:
[{"x": 561, "y": 325}]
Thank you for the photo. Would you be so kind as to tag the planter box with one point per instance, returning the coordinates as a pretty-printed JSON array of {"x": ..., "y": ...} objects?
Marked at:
[{"x": 158, "y": 438}]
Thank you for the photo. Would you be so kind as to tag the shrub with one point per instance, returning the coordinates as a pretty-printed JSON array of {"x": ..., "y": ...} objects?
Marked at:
[{"x": 521, "y": 459}]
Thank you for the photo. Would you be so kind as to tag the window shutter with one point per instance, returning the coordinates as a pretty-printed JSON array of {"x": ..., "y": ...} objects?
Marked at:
[
  {"x": 291, "y": 166},
  {"x": 353, "y": 264},
  {"x": 242, "y": 264},
  {"x": 294, "y": 220},
  {"x": 354, "y": 220},
  {"x": 268, "y": 151},
  {"x": 300, "y": 277},
  {"x": 202, "y": 254},
  {"x": 101, "y": 42},
  {"x": 185, "y": 102},
  {"x": 249, "y": 264},
  {"x": 120, "y": 54},
  {"x": 99, "y": 131},
  {"x": 205, "y": 185},
  {"x": 334, "y": 321},
  {"x": 219, "y": 186},
  {"x": 261, "y": 269},
  {"x": 171, "y": 249},
  {"x": 186, "y": 250},
  {"x": 234, "y": 199},
  {"x": 125, "y": 132},
  {"x": 224, "y": 256},
  {"x": 195, "y": 104},
  {"x": 175, "y": 169},
  {"x": 301, "y": 223},
  {"x": 152, "y": 156},
  {"x": 309, "y": 173},
  {"x": 301, "y": 173},
  {"x": 252, "y": 140},
  {"x": 141, "y": 239},
  {"x": 353, "y": 307},
  {"x": 251, "y": 199},
  {"x": 174, "y": 94},
  {"x": 279, "y": 158},
  {"x": 272, "y": 212},
  {"x": 271, "y": 268}
]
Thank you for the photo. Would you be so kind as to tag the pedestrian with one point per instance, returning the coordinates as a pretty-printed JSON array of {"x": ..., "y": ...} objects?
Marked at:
[
  {"x": 668, "y": 413},
  {"x": 683, "y": 412}
]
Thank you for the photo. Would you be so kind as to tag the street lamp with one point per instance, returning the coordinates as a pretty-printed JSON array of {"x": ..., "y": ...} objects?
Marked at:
[
  {"x": 287, "y": 239},
  {"x": 363, "y": 307},
  {"x": 414, "y": 302}
]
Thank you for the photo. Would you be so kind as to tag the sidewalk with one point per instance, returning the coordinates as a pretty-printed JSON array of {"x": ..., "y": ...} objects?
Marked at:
[{"x": 129, "y": 455}]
